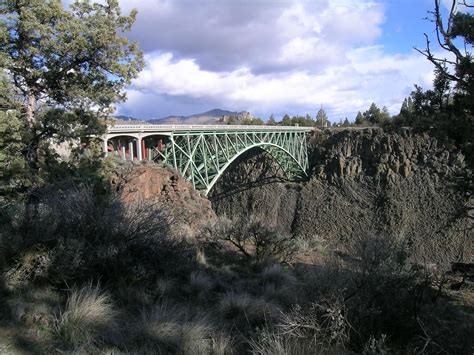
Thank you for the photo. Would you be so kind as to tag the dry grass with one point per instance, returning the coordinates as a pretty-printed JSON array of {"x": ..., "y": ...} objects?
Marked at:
[
  {"x": 246, "y": 311},
  {"x": 88, "y": 317},
  {"x": 180, "y": 330}
]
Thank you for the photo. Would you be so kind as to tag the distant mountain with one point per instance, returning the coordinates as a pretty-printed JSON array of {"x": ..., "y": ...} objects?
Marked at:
[
  {"x": 216, "y": 116},
  {"x": 208, "y": 117},
  {"x": 127, "y": 120}
]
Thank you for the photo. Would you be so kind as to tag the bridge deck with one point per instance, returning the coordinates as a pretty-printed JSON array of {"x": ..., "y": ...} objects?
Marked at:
[
  {"x": 203, "y": 128},
  {"x": 201, "y": 153}
]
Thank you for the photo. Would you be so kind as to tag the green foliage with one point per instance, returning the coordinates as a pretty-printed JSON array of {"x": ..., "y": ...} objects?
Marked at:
[
  {"x": 14, "y": 175},
  {"x": 359, "y": 120},
  {"x": 66, "y": 69},
  {"x": 271, "y": 120},
  {"x": 254, "y": 121},
  {"x": 286, "y": 120},
  {"x": 447, "y": 109},
  {"x": 374, "y": 116},
  {"x": 321, "y": 118},
  {"x": 302, "y": 121},
  {"x": 76, "y": 58}
]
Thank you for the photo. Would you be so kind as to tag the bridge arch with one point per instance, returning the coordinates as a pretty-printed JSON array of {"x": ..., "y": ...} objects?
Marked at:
[
  {"x": 201, "y": 153},
  {"x": 270, "y": 148}
]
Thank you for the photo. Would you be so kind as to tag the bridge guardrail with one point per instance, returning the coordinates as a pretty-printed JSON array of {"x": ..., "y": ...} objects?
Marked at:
[{"x": 206, "y": 128}]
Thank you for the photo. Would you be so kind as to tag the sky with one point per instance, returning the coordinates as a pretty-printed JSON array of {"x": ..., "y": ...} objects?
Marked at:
[{"x": 277, "y": 56}]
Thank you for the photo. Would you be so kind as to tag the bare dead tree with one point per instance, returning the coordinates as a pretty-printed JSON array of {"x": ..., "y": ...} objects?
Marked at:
[{"x": 444, "y": 37}]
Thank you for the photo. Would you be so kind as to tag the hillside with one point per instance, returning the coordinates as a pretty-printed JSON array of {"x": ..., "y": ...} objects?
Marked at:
[{"x": 208, "y": 117}]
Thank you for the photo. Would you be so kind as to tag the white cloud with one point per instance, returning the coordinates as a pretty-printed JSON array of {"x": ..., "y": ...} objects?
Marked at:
[
  {"x": 261, "y": 35},
  {"x": 368, "y": 76}
]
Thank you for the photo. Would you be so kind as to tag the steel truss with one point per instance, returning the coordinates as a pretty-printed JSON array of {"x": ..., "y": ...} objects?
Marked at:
[
  {"x": 201, "y": 153},
  {"x": 202, "y": 157}
]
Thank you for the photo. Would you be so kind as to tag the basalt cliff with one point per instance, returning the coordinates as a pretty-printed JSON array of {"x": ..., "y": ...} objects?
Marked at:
[{"x": 401, "y": 184}]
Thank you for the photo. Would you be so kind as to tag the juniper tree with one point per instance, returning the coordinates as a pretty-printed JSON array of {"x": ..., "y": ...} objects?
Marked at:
[{"x": 69, "y": 66}]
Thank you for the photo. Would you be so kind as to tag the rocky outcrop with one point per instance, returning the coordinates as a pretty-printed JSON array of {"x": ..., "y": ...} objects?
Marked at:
[
  {"x": 361, "y": 181},
  {"x": 136, "y": 183},
  {"x": 387, "y": 157}
]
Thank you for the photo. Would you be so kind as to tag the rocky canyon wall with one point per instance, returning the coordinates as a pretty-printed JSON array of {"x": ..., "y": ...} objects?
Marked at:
[{"x": 361, "y": 181}]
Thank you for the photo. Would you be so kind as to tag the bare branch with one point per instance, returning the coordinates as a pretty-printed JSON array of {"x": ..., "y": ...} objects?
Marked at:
[
  {"x": 451, "y": 15},
  {"x": 463, "y": 2},
  {"x": 448, "y": 44},
  {"x": 436, "y": 61}
]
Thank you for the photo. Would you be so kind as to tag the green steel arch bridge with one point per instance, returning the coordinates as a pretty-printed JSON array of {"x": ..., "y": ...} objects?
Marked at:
[{"x": 201, "y": 153}]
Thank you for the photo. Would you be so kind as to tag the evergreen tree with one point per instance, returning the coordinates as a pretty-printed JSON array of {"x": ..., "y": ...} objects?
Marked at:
[
  {"x": 346, "y": 122},
  {"x": 407, "y": 105},
  {"x": 286, "y": 120},
  {"x": 385, "y": 114},
  {"x": 14, "y": 175},
  {"x": 359, "y": 120},
  {"x": 321, "y": 118},
  {"x": 373, "y": 114},
  {"x": 271, "y": 120},
  {"x": 69, "y": 67}
]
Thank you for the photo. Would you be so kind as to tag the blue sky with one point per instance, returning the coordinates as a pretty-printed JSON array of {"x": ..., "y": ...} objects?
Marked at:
[{"x": 276, "y": 56}]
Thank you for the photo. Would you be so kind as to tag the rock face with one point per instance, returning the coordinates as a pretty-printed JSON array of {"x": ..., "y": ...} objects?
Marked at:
[
  {"x": 156, "y": 184},
  {"x": 387, "y": 157},
  {"x": 361, "y": 181}
]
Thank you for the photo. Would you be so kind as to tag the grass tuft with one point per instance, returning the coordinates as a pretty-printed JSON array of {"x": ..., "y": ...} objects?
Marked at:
[{"x": 88, "y": 317}]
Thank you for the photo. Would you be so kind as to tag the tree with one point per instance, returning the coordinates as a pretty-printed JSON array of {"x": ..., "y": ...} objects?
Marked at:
[
  {"x": 271, "y": 120},
  {"x": 252, "y": 121},
  {"x": 346, "y": 122},
  {"x": 68, "y": 66},
  {"x": 407, "y": 105},
  {"x": 447, "y": 110},
  {"x": 13, "y": 173},
  {"x": 286, "y": 120},
  {"x": 373, "y": 114},
  {"x": 460, "y": 70},
  {"x": 360, "y": 120},
  {"x": 385, "y": 114},
  {"x": 321, "y": 117}
]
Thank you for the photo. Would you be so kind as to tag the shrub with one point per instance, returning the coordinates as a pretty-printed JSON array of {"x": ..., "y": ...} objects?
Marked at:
[
  {"x": 325, "y": 323},
  {"x": 252, "y": 240},
  {"x": 88, "y": 318},
  {"x": 382, "y": 295},
  {"x": 85, "y": 236}
]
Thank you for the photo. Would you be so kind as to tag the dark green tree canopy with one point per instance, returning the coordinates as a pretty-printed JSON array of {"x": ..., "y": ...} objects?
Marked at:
[
  {"x": 61, "y": 72},
  {"x": 359, "y": 120},
  {"x": 72, "y": 59},
  {"x": 66, "y": 67},
  {"x": 321, "y": 117},
  {"x": 271, "y": 120}
]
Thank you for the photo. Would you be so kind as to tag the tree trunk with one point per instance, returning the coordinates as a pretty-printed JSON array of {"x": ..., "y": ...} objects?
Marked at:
[
  {"x": 32, "y": 148},
  {"x": 31, "y": 109}
]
